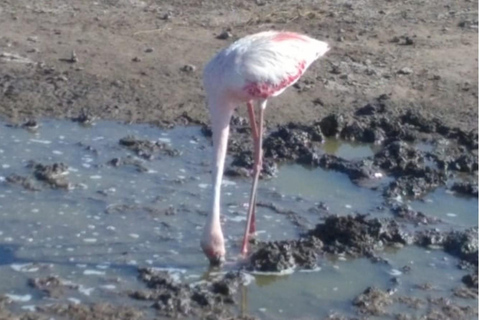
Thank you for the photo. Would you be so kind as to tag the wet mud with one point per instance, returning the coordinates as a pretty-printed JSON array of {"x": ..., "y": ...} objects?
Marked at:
[
  {"x": 411, "y": 158},
  {"x": 174, "y": 299}
]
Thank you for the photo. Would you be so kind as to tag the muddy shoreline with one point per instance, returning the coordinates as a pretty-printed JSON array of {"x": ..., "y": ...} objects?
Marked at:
[{"x": 415, "y": 155}]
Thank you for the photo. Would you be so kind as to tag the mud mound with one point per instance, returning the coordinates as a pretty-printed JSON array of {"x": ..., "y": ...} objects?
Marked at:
[
  {"x": 462, "y": 244},
  {"x": 173, "y": 298},
  {"x": 147, "y": 149},
  {"x": 372, "y": 301},
  {"x": 279, "y": 256},
  {"x": 50, "y": 175},
  {"x": 355, "y": 235}
]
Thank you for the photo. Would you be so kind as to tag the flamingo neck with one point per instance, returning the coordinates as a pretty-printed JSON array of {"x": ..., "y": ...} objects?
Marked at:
[{"x": 220, "y": 116}]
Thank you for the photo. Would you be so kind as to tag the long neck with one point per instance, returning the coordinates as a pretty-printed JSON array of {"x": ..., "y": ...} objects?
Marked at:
[{"x": 220, "y": 115}]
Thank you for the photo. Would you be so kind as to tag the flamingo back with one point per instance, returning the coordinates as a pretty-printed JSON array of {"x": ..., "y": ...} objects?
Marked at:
[{"x": 261, "y": 65}]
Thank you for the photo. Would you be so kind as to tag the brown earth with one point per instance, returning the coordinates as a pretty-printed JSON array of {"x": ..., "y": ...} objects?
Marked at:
[{"x": 130, "y": 56}]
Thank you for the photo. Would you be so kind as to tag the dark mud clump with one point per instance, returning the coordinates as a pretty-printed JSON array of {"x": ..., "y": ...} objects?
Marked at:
[
  {"x": 242, "y": 166},
  {"x": 404, "y": 213},
  {"x": 101, "y": 311},
  {"x": 52, "y": 286},
  {"x": 471, "y": 280},
  {"x": 52, "y": 175},
  {"x": 279, "y": 256},
  {"x": 175, "y": 299},
  {"x": 466, "y": 188},
  {"x": 399, "y": 157},
  {"x": 373, "y": 301},
  {"x": 414, "y": 186},
  {"x": 148, "y": 149},
  {"x": 128, "y": 161},
  {"x": 462, "y": 244},
  {"x": 444, "y": 308},
  {"x": 355, "y": 235},
  {"x": 25, "y": 182},
  {"x": 291, "y": 142}
]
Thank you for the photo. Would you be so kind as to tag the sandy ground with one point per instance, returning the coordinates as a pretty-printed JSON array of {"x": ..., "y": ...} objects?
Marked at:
[{"x": 131, "y": 54}]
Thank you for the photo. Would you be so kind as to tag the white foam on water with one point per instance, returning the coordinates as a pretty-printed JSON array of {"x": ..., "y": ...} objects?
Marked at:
[
  {"x": 451, "y": 214},
  {"x": 41, "y": 141},
  {"x": 57, "y": 152},
  {"x": 30, "y": 307},
  {"x": 227, "y": 183},
  {"x": 270, "y": 273},
  {"x": 19, "y": 298},
  {"x": 91, "y": 272},
  {"x": 74, "y": 300},
  {"x": 108, "y": 286},
  {"x": 25, "y": 267},
  {"x": 316, "y": 269},
  {"x": 170, "y": 270},
  {"x": 85, "y": 291},
  {"x": 96, "y": 177},
  {"x": 90, "y": 240},
  {"x": 134, "y": 235},
  {"x": 203, "y": 185},
  {"x": 237, "y": 219},
  {"x": 395, "y": 272}
]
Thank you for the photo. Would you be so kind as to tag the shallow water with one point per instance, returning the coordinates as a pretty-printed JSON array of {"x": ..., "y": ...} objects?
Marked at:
[
  {"x": 113, "y": 220},
  {"x": 457, "y": 210}
]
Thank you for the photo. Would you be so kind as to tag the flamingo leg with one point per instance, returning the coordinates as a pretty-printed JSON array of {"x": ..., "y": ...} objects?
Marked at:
[
  {"x": 254, "y": 129},
  {"x": 257, "y": 167}
]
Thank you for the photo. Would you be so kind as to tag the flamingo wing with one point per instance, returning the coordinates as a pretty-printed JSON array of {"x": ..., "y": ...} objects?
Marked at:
[{"x": 272, "y": 61}]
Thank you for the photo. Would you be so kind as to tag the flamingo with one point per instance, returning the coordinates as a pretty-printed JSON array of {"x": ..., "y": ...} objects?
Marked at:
[{"x": 251, "y": 70}]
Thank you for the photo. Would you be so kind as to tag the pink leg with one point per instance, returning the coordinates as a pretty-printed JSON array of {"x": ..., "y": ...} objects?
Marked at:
[
  {"x": 253, "y": 125},
  {"x": 256, "y": 169}
]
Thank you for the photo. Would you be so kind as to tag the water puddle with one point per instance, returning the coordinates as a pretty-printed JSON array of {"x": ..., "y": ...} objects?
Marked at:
[
  {"x": 457, "y": 210},
  {"x": 348, "y": 150},
  {"x": 117, "y": 218}
]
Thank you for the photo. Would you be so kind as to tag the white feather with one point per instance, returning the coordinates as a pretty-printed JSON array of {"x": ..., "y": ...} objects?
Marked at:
[{"x": 261, "y": 59}]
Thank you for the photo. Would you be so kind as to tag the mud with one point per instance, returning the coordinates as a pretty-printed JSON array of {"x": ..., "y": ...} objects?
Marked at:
[
  {"x": 403, "y": 213},
  {"x": 372, "y": 301},
  {"x": 400, "y": 137},
  {"x": 51, "y": 286},
  {"x": 51, "y": 175},
  {"x": 357, "y": 235},
  {"x": 466, "y": 188},
  {"x": 148, "y": 149},
  {"x": 352, "y": 235},
  {"x": 172, "y": 298},
  {"x": 286, "y": 255}
]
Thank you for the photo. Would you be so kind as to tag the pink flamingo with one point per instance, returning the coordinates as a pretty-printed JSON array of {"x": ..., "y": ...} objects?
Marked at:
[{"x": 254, "y": 68}]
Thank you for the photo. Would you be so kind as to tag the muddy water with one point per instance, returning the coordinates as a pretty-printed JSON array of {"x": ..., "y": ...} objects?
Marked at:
[{"x": 114, "y": 219}]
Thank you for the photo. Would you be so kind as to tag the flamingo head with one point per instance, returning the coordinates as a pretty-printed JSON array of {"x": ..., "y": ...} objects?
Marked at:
[{"x": 213, "y": 245}]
